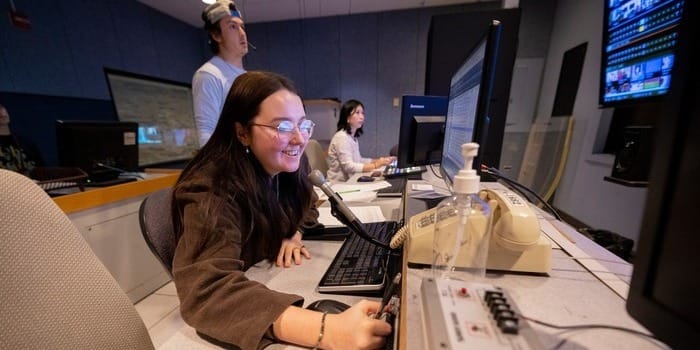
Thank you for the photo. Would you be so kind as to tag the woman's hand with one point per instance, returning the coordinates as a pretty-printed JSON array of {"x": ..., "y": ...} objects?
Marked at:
[
  {"x": 382, "y": 161},
  {"x": 354, "y": 328},
  {"x": 292, "y": 249}
]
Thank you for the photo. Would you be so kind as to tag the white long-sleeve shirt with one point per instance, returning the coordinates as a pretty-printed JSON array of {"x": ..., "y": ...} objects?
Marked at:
[
  {"x": 210, "y": 85},
  {"x": 344, "y": 157}
]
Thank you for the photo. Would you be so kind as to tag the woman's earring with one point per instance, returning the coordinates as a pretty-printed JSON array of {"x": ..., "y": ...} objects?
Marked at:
[{"x": 247, "y": 149}]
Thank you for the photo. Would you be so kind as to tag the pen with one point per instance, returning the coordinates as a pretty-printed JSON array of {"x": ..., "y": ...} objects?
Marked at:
[
  {"x": 350, "y": 191},
  {"x": 388, "y": 293}
]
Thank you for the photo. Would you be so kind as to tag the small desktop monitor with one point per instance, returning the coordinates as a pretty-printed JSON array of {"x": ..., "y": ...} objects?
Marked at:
[
  {"x": 421, "y": 131},
  {"x": 468, "y": 104},
  {"x": 638, "y": 50},
  {"x": 100, "y": 148},
  {"x": 164, "y": 111}
]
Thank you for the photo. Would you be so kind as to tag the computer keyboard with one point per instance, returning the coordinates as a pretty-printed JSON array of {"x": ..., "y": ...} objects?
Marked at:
[
  {"x": 393, "y": 171},
  {"x": 398, "y": 185},
  {"x": 360, "y": 266}
]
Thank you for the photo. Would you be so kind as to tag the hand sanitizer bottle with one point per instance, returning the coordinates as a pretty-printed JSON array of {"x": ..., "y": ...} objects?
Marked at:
[{"x": 462, "y": 227}]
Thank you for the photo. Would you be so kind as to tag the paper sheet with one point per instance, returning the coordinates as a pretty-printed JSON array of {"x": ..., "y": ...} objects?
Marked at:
[
  {"x": 365, "y": 214},
  {"x": 355, "y": 192}
]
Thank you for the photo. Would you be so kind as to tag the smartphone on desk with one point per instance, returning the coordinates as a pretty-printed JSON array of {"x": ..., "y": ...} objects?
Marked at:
[{"x": 516, "y": 243}]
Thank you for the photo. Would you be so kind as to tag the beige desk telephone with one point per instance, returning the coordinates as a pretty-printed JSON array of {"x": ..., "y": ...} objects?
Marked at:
[{"x": 516, "y": 243}]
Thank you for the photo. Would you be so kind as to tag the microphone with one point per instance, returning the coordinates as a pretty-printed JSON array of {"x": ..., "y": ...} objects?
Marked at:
[{"x": 340, "y": 210}]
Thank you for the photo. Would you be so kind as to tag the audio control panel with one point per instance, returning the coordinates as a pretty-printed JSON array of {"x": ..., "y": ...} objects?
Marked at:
[{"x": 462, "y": 315}]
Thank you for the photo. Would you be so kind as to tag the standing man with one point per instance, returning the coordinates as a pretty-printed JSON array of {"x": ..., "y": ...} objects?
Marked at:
[{"x": 211, "y": 82}]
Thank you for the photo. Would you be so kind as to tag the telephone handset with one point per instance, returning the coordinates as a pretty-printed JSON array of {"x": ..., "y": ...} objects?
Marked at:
[{"x": 516, "y": 243}]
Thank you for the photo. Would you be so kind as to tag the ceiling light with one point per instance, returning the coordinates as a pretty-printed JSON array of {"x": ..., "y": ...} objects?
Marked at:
[{"x": 208, "y": 1}]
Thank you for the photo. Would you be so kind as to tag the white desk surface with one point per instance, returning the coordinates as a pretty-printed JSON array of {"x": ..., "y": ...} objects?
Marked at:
[{"x": 570, "y": 295}]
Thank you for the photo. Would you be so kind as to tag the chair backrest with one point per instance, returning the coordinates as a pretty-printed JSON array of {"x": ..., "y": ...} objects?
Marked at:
[
  {"x": 317, "y": 156},
  {"x": 55, "y": 292},
  {"x": 156, "y": 223}
]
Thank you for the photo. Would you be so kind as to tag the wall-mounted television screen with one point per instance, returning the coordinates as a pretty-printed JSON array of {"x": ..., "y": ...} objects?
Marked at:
[
  {"x": 163, "y": 110},
  {"x": 638, "y": 50}
]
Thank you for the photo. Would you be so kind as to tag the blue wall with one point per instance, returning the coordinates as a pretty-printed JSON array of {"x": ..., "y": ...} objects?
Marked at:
[
  {"x": 55, "y": 69},
  {"x": 371, "y": 57},
  {"x": 72, "y": 40}
]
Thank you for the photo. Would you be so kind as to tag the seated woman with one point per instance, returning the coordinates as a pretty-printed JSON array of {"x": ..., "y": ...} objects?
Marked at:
[
  {"x": 241, "y": 200},
  {"x": 13, "y": 156},
  {"x": 344, "y": 157}
]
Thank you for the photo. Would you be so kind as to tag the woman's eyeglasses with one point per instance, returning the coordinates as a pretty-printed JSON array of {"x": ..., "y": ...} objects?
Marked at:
[{"x": 286, "y": 128}]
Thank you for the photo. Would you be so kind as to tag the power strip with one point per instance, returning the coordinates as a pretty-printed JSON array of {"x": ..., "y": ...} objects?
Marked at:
[{"x": 463, "y": 315}]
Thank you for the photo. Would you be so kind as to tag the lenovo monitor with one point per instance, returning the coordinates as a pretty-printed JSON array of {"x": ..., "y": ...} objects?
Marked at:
[{"x": 421, "y": 131}]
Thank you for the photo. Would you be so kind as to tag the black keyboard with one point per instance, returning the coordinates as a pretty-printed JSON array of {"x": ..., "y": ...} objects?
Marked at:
[
  {"x": 392, "y": 171},
  {"x": 398, "y": 185},
  {"x": 360, "y": 266}
]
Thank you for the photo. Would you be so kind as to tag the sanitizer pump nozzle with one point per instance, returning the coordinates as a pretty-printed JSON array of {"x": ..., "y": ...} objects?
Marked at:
[{"x": 467, "y": 181}]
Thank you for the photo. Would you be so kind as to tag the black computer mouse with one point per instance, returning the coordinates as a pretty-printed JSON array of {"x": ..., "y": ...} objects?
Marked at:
[
  {"x": 328, "y": 305},
  {"x": 365, "y": 178}
]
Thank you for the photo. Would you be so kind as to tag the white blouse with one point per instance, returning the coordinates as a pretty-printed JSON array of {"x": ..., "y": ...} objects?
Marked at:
[{"x": 344, "y": 157}]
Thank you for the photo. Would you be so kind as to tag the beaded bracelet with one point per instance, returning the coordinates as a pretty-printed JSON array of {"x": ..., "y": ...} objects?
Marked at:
[{"x": 320, "y": 333}]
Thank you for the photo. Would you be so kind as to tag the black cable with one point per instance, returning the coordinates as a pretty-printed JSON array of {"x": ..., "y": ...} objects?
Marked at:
[
  {"x": 519, "y": 187},
  {"x": 432, "y": 168},
  {"x": 496, "y": 173},
  {"x": 589, "y": 326}
]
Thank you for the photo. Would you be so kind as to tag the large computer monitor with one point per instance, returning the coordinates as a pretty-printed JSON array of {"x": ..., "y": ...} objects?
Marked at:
[
  {"x": 421, "y": 131},
  {"x": 163, "y": 109},
  {"x": 102, "y": 149},
  {"x": 664, "y": 289},
  {"x": 469, "y": 101}
]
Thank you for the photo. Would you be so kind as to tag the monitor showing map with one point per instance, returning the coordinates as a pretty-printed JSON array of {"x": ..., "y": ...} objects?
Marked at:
[{"x": 163, "y": 110}]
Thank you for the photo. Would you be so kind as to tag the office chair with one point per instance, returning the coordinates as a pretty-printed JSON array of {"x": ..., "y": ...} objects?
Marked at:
[
  {"x": 55, "y": 292},
  {"x": 317, "y": 156},
  {"x": 156, "y": 223}
]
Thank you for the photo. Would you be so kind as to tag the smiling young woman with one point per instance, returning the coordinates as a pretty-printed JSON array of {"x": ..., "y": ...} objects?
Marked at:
[{"x": 241, "y": 200}]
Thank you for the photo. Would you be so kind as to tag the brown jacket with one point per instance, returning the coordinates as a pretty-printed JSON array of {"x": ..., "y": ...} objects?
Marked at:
[{"x": 216, "y": 298}]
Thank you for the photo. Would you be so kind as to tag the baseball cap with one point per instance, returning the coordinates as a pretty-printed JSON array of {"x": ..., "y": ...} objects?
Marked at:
[{"x": 220, "y": 9}]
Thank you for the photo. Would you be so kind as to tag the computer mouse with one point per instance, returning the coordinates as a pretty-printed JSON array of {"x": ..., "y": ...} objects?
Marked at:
[
  {"x": 365, "y": 178},
  {"x": 328, "y": 305}
]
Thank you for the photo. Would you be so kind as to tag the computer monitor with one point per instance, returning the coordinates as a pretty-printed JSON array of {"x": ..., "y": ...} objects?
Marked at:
[
  {"x": 163, "y": 109},
  {"x": 638, "y": 50},
  {"x": 665, "y": 284},
  {"x": 100, "y": 148},
  {"x": 468, "y": 103},
  {"x": 421, "y": 131}
]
